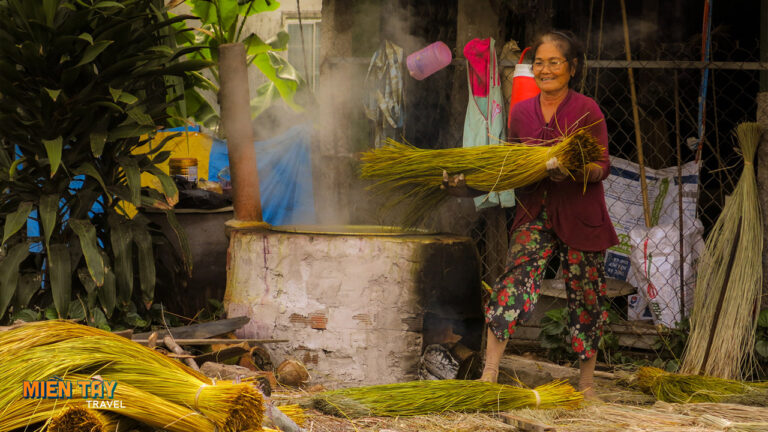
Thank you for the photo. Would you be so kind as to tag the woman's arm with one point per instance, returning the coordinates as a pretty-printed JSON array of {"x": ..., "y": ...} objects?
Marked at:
[{"x": 457, "y": 186}]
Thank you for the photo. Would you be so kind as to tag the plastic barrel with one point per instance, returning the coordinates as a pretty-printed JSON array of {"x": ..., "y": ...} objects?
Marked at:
[{"x": 428, "y": 60}]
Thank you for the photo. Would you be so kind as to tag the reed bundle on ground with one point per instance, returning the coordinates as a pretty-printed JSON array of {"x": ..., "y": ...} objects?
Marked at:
[
  {"x": 228, "y": 406},
  {"x": 294, "y": 412},
  {"x": 78, "y": 418},
  {"x": 682, "y": 388},
  {"x": 729, "y": 283},
  {"x": 410, "y": 173},
  {"x": 429, "y": 397}
]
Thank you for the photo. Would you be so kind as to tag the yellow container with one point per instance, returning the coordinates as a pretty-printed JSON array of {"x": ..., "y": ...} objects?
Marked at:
[{"x": 185, "y": 167}]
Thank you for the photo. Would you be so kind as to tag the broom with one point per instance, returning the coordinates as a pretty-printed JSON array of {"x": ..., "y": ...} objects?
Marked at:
[
  {"x": 231, "y": 407},
  {"x": 413, "y": 173},
  {"x": 728, "y": 286},
  {"x": 436, "y": 396}
]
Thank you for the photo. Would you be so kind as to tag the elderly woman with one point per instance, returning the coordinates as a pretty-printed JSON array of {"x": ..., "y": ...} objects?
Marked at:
[{"x": 555, "y": 215}]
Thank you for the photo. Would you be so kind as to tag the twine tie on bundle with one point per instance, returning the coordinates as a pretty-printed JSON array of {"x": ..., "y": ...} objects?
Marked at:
[
  {"x": 199, "y": 390},
  {"x": 538, "y": 398}
]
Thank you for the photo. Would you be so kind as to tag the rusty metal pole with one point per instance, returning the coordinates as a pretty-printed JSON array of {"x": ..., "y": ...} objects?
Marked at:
[{"x": 234, "y": 98}]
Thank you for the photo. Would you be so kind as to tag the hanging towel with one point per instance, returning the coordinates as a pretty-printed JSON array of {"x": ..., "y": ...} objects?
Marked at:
[
  {"x": 384, "y": 94},
  {"x": 484, "y": 122}
]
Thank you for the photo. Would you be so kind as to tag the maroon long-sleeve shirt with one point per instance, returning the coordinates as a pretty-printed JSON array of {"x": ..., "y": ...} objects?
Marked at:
[{"x": 579, "y": 218}]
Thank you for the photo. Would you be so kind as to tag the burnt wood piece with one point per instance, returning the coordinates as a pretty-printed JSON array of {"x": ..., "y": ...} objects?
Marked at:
[
  {"x": 221, "y": 355},
  {"x": 215, "y": 341}
]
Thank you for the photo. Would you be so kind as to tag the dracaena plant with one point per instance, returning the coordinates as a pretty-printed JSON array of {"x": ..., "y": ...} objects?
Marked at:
[
  {"x": 83, "y": 84},
  {"x": 221, "y": 22}
]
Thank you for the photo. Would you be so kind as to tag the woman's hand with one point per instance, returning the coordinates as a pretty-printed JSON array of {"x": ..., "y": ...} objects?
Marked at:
[
  {"x": 455, "y": 185},
  {"x": 555, "y": 172}
]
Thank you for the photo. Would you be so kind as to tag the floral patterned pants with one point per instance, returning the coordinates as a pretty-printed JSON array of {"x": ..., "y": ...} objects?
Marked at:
[{"x": 516, "y": 291}]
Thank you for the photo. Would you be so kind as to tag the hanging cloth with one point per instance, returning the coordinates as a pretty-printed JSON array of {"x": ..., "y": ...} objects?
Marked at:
[
  {"x": 484, "y": 121},
  {"x": 384, "y": 92}
]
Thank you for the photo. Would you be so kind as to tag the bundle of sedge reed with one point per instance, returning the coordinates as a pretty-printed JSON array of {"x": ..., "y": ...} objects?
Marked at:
[
  {"x": 683, "y": 388},
  {"x": 728, "y": 286},
  {"x": 412, "y": 173},
  {"x": 229, "y": 406},
  {"x": 294, "y": 412},
  {"x": 78, "y": 418},
  {"x": 436, "y": 396}
]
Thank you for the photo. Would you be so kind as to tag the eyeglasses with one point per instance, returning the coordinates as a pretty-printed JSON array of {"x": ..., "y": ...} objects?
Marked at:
[{"x": 554, "y": 65}]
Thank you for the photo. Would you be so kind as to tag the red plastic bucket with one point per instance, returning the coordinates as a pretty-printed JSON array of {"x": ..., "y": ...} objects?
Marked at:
[
  {"x": 523, "y": 85},
  {"x": 429, "y": 60}
]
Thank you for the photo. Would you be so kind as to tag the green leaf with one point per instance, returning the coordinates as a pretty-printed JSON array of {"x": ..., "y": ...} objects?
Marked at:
[
  {"x": 108, "y": 4},
  {"x": 76, "y": 310},
  {"x": 135, "y": 320},
  {"x": 53, "y": 149},
  {"x": 86, "y": 37},
  {"x": 9, "y": 273},
  {"x": 279, "y": 42},
  {"x": 146, "y": 258},
  {"x": 762, "y": 320},
  {"x": 86, "y": 232},
  {"x": 121, "y": 239},
  {"x": 16, "y": 220},
  {"x": 139, "y": 116},
  {"x": 129, "y": 131},
  {"x": 265, "y": 95},
  {"x": 54, "y": 94},
  {"x": 108, "y": 294},
  {"x": 98, "y": 320},
  {"x": 98, "y": 139},
  {"x": 282, "y": 74},
  {"x": 60, "y": 272},
  {"x": 128, "y": 98},
  {"x": 48, "y": 210},
  {"x": 26, "y": 315},
  {"x": 254, "y": 45},
  {"x": 86, "y": 280},
  {"x": 183, "y": 240},
  {"x": 29, "y": 283},
  {"x": 93, "y": 51},
  {"x": 115, "y": 93},
  {"x": 169, "y": 186},
  {"x": 761, "y": 347},
  {"x": 49, "y": 10},
  {"x": 88, "y": 169},
  {"x": 50, "y": 313},
  {"x": 133, "y": 177},
  {"x": 14, "y": 165}
]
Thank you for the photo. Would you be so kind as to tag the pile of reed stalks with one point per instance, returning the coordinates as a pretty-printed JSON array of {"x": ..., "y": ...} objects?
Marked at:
[
  {"x": 430, "y": 397},
  {"x": 683, "y": 388},
  {"x": 411, "y": 174},
  {"x": 182, "y": 399},
  {"x": 729, "y": 283}
]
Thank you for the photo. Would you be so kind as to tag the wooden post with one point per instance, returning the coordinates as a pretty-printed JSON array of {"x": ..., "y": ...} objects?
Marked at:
[
  {"x": 636, "y": 117},
  {"x": 235, "y": 104}
]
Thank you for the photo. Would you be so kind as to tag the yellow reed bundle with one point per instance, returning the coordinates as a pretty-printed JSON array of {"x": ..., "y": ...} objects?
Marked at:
[
  {"x": 682, "y": 388},
  {"x": 429, "y": 397},
  {"x": 231, "y": 407},
  {"x": 78, "y": 418},
  {"x": 25, "y": 413},
  {"x": 417, "y": 174},
  {"x": 728, "y": 286},
  {"x": 294, "y": 412}
]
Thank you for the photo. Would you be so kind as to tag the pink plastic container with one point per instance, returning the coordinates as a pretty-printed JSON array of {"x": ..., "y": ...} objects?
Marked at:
[{"x": 428, "y": 60}]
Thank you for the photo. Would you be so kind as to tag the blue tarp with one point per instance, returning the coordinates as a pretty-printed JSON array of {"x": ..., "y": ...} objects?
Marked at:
[{"x": 285, "y": 175}]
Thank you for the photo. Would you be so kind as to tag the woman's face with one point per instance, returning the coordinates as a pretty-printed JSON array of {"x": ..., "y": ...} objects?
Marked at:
[{"x": 550, "y": 69}]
